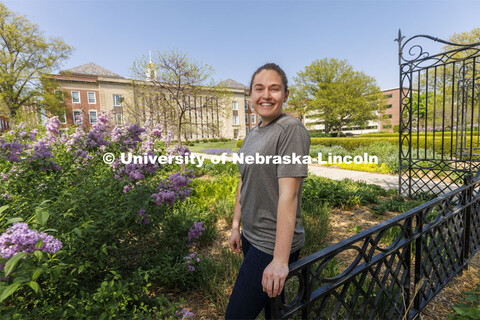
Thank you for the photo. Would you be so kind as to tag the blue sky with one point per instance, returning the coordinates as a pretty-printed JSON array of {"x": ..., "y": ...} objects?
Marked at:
[{"x": 235, "y": 37}]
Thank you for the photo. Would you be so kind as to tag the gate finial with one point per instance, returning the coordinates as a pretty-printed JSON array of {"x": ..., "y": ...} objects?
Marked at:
[{"x": 399, "y": 40}]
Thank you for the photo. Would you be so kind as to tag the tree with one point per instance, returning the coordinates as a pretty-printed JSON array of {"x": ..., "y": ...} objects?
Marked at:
[
  {"x": 26, "y": 57},
  {"x": 332, "y": 92},
  {"x": 172, "y": 89}
]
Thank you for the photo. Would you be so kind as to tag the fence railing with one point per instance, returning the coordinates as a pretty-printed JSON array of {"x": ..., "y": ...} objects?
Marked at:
[
  {"x": 393, "y": 269},
  {"x": 4, "y": 124}
]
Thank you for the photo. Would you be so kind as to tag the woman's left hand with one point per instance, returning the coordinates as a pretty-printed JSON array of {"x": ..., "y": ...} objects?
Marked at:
[{"x": 274, "y": 277}]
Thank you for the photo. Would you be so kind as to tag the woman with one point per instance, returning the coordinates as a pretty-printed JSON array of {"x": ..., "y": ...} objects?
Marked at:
[{"x": 268, "y": 198}]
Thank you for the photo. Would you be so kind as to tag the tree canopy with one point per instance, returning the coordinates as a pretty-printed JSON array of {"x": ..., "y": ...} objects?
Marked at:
[
  {"x": 26, "y": 57},
  {"x": 179, "y": 91},
  {"x": 330, "y": 91}
]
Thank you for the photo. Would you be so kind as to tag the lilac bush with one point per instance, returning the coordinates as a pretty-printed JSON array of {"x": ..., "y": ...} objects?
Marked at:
[
  {"x": 107, "y": 217},
  {"x": 19, "y": 238}
]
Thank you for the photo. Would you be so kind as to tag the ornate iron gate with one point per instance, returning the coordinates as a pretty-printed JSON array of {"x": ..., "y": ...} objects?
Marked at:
[
  {"x": 394, "y": 269},
  {"x": 439, "y": 115}
]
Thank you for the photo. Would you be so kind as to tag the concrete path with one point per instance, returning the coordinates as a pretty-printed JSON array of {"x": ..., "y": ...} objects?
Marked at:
[{"x": 383, "y": 180}]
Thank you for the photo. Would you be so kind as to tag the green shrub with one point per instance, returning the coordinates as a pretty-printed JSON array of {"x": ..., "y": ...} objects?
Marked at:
[
  {"x": 344, "y": 193},
  {"x": 469, "y": 308},
  {"x": 239, "y": 143}
]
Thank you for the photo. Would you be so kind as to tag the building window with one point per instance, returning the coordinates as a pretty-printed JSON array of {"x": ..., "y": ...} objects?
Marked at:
[
  {"x": 77, "y": 117},
  {"x": 246, "y": 105},
  {"x": 389, "y": 106},
  {"x": 117, "y": 100},
  {"x": 93, "y": 116},
  {"x": 235, "y": 105},
  {"x": 254, "y": 120},
  {"x": 91, "y": 98},
  {"x": 389, "y": 116},
  {"x": 246, "y": 119},
  {"x": 75, "y": 96},
  {"x": 235, "y": 120},
  {"x": 388, "y": 95},
  {"x": 62, "y": 118},
  {"x": 119, "y": 119}
]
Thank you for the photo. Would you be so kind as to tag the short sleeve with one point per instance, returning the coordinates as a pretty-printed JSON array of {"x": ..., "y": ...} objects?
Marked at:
[{"x": 294, "y": 144}]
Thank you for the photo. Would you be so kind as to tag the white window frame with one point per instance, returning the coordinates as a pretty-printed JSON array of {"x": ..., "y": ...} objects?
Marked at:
[
  {"x": 246, "y": 119},
  {"x": 79, "y": 101},
  {"x": 64, "y": 117},
  {"x": 246, "y": 105},
  {"x": 235, "y": 105},
  {"x": 116, "y": 100},
  {"x": 73, "y": 116},
  {"x": 254, "y": 119},
  {"x": 119, "y": 123},
  {"x": 235, "y": 123},
  {"x": 94, "y": 97},
  {"x": 90, "y": 116}
]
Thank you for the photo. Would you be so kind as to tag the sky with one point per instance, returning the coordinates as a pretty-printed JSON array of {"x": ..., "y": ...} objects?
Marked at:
[{"x": 236, "y": 37}]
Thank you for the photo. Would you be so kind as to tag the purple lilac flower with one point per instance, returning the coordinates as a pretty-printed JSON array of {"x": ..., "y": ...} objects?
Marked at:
[
  {"x": 96, "y": 136},
  {"x": 33, "y": 134},
  {"x": 173, "y": 188},
  {"x": 196, "y": 231},
  {"x": 190, "y": 259},
  {"x": 157, "y": 131},
  {"x": 52, "y": 125},
  {"x": 184, "y": 313},
  {"x": 19, "y": 238},
  {"x": 11, "y": 151},
  {"x": 42, "y": 150},
  {"x": 169, "y": 138},
  {"x": 143, "y": 217},
  {"x": 183, "y": 151},
  {"x": 23, "y": 134}
]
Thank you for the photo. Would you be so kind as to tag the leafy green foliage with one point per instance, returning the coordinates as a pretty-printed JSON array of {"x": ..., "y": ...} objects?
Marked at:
[
  {"x": 469, "y": 308},
  {"x": 25, "y": 57},
  {"x": 331, "y": 91},
  {"x": 343, "y": 194}
]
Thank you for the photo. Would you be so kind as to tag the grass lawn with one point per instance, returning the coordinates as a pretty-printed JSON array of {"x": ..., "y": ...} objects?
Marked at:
[{"x": 232, "y": 145}]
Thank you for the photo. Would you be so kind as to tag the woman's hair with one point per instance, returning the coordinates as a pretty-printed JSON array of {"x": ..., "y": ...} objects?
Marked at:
[{"x": 271, "y": 66}]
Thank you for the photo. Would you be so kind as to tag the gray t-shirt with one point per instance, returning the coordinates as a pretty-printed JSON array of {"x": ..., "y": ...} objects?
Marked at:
[{"x": 284, "y": 137}]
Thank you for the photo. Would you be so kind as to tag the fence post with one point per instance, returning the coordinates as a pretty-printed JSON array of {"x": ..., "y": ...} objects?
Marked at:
[
  {"x": 418, "y": 273},
  {"x": 408, "y": 265},
  {"x": 467, "y": 212}
]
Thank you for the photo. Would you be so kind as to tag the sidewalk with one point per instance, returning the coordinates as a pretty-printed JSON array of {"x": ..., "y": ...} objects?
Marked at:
[{"x": 385, "y": 181}]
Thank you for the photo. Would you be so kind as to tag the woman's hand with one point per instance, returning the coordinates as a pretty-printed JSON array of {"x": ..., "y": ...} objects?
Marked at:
[
  {"x": 274, "y": 277},
  {"x": 235, "y": 240}
]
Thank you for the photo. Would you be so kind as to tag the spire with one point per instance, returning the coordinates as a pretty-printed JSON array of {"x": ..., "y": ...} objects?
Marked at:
[{"x": 151, "y": 72}]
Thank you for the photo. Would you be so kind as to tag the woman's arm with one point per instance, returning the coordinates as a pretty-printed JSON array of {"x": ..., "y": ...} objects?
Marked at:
[
  {"x": 237, "y": 215},
  {"x": 276, "y": 272}
]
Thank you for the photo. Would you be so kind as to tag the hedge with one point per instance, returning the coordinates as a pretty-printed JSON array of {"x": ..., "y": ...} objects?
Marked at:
[{"x": 354, "y": 143}]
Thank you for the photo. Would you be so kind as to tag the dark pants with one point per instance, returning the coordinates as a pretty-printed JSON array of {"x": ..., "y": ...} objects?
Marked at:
[{"x": 248, "y": 299}]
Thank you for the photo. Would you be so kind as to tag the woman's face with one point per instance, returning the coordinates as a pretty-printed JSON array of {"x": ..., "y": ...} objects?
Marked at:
[{"x": 268, "y": 95}]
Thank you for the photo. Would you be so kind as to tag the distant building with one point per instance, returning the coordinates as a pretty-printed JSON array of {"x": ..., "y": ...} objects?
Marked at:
[
  {"x": 390, "y": 117},
  {"x": 89, "y": 89},
  {"x": 386, "y": 121}
]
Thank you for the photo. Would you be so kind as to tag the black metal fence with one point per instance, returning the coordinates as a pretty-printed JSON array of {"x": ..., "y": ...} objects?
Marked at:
[
  {"x": 439, "y": 114},
  {"x": 394, "y": 269}
]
